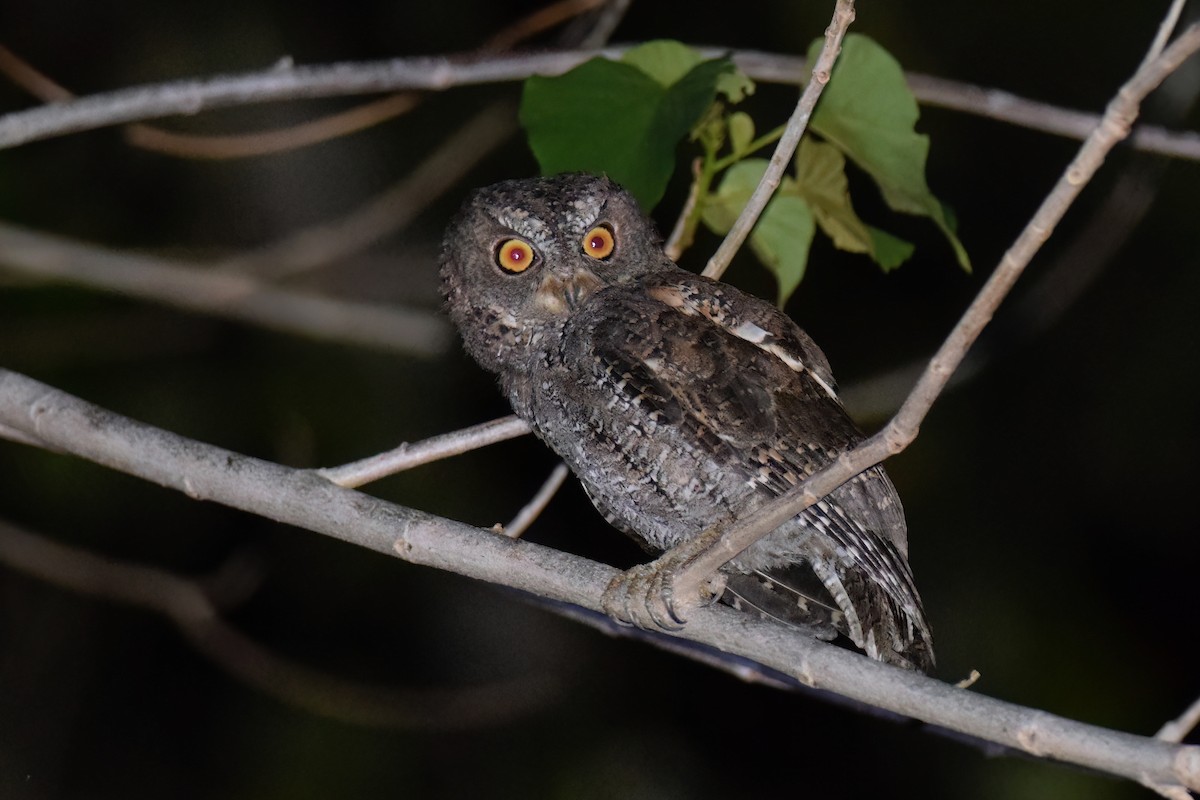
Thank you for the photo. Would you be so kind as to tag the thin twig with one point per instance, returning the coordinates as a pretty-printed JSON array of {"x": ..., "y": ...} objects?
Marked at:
[
  {"x": 903, "y": 427},
  {"x": 1165, "y": 29},
  {"x": 531, "y": 510},
  {"x": 1181, "y": 726},
  {"x": 407, "y": 456},
  {"x": 303, "y": 499},
  {"x": 601, "y": 28},
  {"x": 186, "y": 603},
  {"x": 1007, "y": 107},
  {"x": 843, "y": 15},
  {"x": 1093, "y": 246},
  {"x": 31, "y": 79},
  {"x": 1175, "y": 731},
  {"x": 540, "y": 20},
  {"x": 196, "y": 288},
  {"x": 675, "y": 245},
  {"x": 261, "y": 143}
]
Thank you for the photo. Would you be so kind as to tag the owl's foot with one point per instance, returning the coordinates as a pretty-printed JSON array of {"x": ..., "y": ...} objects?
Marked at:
[{"x": 645, "y": 596}]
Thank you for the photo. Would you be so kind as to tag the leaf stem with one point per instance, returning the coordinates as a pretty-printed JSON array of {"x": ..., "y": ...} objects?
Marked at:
[{"x": 756, "y": 145}]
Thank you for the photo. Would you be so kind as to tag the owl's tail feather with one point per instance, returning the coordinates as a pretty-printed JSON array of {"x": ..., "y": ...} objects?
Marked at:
[
  {"x": 889, "y": 630},
  {"x": 792, "y": 596},
  {"x": 796, "y": 596}
]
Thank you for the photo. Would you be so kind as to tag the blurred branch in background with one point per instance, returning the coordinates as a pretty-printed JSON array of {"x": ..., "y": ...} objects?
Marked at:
[
  {"x": 195, "y": 607},
  {"x": 387, "y": 212},
  {"x": 194, "y": 287}
]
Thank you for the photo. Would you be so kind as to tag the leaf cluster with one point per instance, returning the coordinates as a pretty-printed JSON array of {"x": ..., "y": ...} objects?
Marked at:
[{"x": 627, "y": 118}]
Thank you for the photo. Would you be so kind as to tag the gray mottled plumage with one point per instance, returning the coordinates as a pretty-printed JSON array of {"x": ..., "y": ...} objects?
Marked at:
[{"x": 680, "y": 403}]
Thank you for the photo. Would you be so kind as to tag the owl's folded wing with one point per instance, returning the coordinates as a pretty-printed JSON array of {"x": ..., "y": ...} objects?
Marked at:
[{"x": 741, "y": 382}]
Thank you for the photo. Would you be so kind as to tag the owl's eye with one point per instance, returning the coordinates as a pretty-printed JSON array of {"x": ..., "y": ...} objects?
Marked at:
[
  {"x": 598, "y": 243},
  {"x": 514, "y": 256}
]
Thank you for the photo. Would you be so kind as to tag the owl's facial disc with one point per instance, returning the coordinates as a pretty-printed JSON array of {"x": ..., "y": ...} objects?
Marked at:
[{"x": 558, "y": 294}]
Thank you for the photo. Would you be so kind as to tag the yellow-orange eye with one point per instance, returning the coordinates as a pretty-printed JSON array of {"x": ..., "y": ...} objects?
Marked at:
[
  {"x": 598, "y": 243},
  {"x": 514, "y": 256}
]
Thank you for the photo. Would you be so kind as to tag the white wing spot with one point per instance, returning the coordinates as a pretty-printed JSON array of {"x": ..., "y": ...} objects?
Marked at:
[{"x": 751, "y": 333}]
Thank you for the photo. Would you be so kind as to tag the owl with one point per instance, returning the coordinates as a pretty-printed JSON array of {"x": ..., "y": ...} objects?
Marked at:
[{"x": 680, "y": 403}]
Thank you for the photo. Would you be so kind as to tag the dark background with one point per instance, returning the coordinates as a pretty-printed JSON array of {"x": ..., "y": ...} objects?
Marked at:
[{"x": 1050, "y": 498}]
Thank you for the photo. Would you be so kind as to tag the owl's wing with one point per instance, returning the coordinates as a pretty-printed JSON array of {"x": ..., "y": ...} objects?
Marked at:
[{"x": 743, "y": 382}]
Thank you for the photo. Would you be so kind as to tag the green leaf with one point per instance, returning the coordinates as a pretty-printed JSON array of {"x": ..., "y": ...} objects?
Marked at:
[
  {"x": 784, "y": 232},
  {"x": 741, "y": 131},
  {"x": 781, "y": 240},
  {"x": 721, "y": 208},
  {"x": 609, "y": 117},
  {"x": 821, "y": 180},
  {"x": 665, "y": 60},
  {"x": 868, "y": 112},
  {"x": 889, "y": 251},
  {"x": 735, "y": 85},
  {"x": 710, "y": 130}
]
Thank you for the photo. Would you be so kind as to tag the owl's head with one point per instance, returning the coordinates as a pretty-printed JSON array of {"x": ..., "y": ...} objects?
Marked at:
[{"x": 524, "y": 254}]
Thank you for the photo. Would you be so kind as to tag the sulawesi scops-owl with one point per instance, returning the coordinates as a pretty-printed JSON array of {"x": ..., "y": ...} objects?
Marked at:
[{"x": 679, "y": 402}]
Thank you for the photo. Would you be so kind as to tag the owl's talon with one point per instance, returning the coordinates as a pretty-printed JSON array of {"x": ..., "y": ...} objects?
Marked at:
[
  {"x": 643, "y": 597},
  {"x": 660, "y": 602},
  {"x": 615, "y": 600}
]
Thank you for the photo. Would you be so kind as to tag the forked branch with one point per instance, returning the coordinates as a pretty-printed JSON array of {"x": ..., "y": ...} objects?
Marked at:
[{"x": 1114, "y": 126}]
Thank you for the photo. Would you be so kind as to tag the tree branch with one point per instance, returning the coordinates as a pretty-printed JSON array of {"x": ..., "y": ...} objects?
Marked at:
[
  {"x": 306, "y": 500},
  {"x": 440, "y": 73},
  {"x": 537, "y": 504},
  {"x": 1181, "y": 726},
  {"x": 407, "y": 456}
]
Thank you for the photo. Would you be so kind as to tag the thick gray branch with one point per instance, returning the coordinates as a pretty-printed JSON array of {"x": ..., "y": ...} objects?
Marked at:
[{"x": 306, "y": 500}]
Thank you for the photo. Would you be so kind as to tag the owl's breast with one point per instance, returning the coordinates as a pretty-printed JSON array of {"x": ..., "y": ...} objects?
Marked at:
[{"x": 599, "y": 400}]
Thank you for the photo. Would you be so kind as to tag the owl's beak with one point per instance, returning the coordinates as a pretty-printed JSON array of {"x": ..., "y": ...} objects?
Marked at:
[{"x": 558, "y": 294}]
